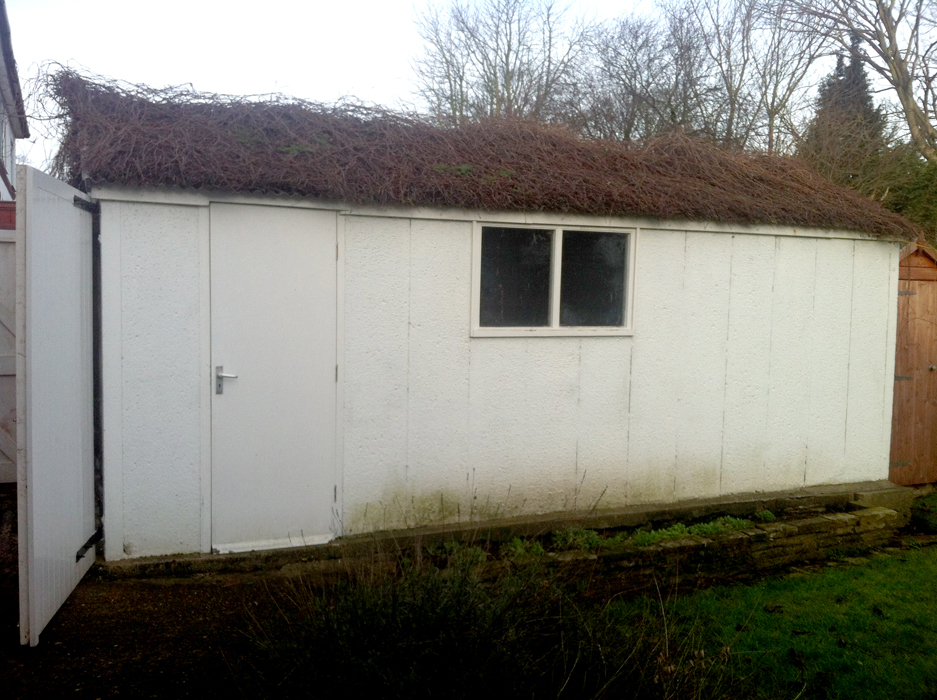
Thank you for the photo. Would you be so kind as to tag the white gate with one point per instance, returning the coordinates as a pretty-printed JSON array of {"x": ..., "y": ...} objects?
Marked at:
[{"x": 54, "y": 395}]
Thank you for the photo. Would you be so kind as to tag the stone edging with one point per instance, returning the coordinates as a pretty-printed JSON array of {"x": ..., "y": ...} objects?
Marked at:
[{"x": 742, "y": 553}]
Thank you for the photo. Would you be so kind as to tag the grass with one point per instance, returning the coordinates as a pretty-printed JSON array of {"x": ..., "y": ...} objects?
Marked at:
[
  {"x": 924, "y": 514},
  {"x": 455, "y": 623},
  {"x": 855, "y": 632}
]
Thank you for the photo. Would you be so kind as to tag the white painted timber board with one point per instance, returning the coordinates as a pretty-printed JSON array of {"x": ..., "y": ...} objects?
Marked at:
[{"x": 55, "y": 469}]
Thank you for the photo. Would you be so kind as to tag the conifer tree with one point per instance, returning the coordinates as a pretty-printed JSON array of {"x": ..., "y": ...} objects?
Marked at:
[{"x": 846, "y": 139}]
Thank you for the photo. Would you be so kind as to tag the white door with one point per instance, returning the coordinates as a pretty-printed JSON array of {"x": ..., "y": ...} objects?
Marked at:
[
  {"x": 54, "y": 412},
  {"x": 273, "y": 325}
]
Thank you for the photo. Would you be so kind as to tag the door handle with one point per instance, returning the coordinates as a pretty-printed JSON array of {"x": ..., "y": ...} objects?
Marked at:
[{"x": 220, "y": 376}]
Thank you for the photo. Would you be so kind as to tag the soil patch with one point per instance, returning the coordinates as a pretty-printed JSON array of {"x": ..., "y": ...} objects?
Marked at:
[{"x": 143, "y": 638}]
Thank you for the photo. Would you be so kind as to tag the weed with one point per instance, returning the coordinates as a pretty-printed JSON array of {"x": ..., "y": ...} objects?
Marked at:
[
  {"x": 460, "y": 554},
  {"x": 765, "y": 516},
  {"x": 448, "y": 633},
  {"x": 719, "y": 526},
  {"x": 615, "y": 541},
  {"x": 642, "y": 538},
  {"x": 518, "y": 548},
  {"x": 576, "y": 538}
]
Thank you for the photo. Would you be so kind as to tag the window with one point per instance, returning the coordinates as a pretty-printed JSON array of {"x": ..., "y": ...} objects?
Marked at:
[{"x": 551, "y": 281}]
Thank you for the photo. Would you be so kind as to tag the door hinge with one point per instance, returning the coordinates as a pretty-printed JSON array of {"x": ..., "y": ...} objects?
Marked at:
[
  {"x": 903, "y": 293},
  {"x": 98, "y": 534},
  {"x": 336, "y": 251},
  {"x": 903, "y": 379},
  {"x": 336, "y": 373},
  {"x": 84, "y": 204}
]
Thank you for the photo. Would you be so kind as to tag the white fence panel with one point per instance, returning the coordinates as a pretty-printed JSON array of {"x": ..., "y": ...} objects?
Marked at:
[{"x": 55, "y": 451}]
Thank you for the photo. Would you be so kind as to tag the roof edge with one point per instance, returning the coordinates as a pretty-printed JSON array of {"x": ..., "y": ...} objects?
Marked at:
[
  {"x": 9, "y": 79},
  {"x": 196, "y": 197}
]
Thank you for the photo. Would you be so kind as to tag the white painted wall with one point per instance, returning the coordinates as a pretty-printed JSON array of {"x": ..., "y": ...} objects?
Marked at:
[
  {"x": 151, "y": 328},
  {"x": 758, "y": 362}
]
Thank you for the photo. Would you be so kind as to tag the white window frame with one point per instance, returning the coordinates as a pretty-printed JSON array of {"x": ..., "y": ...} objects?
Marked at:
[{"x": 554, "y": 329}]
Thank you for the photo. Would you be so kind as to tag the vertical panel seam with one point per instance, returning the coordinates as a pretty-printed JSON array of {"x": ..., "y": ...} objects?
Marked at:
[
  {"x": 628, "y": 423},
  {"x": 768, "y": 397},
  {"x": 725, "y": 372},
  {"x": 409, "y": 343},
  {"x": 681, "y": 305},
  {"x": 813, "y": 359},
  {"x": 852, "y": 311},
  {"x": 578, "y": 410}
]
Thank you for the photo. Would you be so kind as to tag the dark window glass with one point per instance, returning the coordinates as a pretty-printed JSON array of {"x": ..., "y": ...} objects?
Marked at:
[
  {"x": 592, "y": 289},
  {"x": 515, "y": 277}
]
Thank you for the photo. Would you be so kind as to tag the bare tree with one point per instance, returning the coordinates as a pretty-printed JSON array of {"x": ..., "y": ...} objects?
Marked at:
[
  {"x": 497, "y": 58},
  {"x": 899, "y": 38},
  {"x": 731, "y": 26},
  {"x": 646, "y": 76},
  {"x": 728, "y": 70},
  {"x": 782, "y": 64}
]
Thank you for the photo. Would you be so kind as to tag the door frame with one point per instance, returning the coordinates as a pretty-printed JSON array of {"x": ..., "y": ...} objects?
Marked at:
[
  {"x": 331, "y": 467},
  {"x": 205, "y": 359}
]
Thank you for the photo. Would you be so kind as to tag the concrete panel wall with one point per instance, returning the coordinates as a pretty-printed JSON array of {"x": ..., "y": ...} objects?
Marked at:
[
  {"x": 152, "y": 402},
  {"x": 757, "y": 362},
  {"x": 753, "y": 363}
]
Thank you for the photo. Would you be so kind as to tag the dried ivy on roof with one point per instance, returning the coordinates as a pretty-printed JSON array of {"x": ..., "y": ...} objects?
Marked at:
[{"x": 176, "y": 137}]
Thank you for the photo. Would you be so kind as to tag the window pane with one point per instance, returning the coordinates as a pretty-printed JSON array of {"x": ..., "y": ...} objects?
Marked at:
[
  {"x": 515, "y": 277},
  {"x": 592, "y": 291}
]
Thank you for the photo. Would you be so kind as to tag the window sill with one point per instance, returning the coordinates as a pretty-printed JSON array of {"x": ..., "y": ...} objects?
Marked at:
[{"x": 573, "y": 331}]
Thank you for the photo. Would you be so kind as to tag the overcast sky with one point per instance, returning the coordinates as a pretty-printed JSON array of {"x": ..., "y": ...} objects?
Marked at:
[{"x": 314, "y": 49}]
